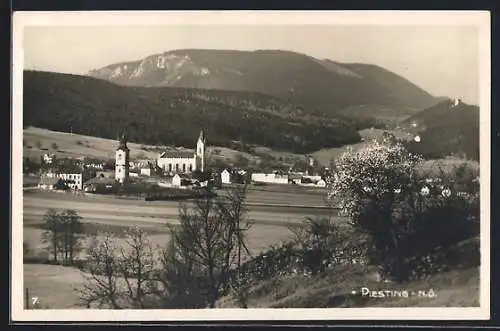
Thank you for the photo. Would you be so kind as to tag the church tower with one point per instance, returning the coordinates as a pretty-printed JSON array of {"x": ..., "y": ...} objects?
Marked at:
[
  {"x": 200, "y": 151},
  {"x": 122, "y": 161}
]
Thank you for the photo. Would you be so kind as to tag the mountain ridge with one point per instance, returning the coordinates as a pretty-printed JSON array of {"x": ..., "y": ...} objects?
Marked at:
[{"x": 321, "y": 85}]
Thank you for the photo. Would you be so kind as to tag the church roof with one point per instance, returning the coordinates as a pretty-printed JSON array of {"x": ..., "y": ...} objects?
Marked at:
[
  {"x": 202, "y": 136},
  {"x": 177, "y": 155},
  {"x": 122, "y": 143}
]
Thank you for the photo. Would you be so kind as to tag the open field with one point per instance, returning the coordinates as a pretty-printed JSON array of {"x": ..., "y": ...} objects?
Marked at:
[
  {"x": 76, "y": 145},
  {"x": 106, "y": 212},
  {"x": 55, "y": 286}
]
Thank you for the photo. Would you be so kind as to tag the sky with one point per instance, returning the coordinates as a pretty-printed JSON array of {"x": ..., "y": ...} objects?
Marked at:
[{"x": 443, "y": 60}]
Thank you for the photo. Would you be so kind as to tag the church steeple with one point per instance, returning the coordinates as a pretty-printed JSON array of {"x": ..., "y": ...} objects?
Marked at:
[
  {"x": 200, "y": 151},
  {"x": 202, "y": 136},
  {"x": 123, "y": 143},
  {"x": 122, "y": 160}
]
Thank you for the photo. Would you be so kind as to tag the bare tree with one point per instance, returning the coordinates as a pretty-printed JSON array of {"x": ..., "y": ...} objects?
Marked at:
[
  {"x": 61, "y": 231},
  {"x": 205, "y": 248},
  {"x": 101, "y": 284},
  {"x": 121, "y": 276},
  {"x": 137, "y": 267},
  {"x": 52, "y": 231},
  {"x": 233, "y": 211},
  {"x": 72, "y": 228}
]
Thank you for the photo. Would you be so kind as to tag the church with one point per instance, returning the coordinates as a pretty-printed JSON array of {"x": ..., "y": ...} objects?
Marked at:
[{"x": 184, "y": 162}]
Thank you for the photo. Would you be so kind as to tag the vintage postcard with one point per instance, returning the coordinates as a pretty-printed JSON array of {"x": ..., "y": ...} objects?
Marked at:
[{"x": 240, "y": 165}]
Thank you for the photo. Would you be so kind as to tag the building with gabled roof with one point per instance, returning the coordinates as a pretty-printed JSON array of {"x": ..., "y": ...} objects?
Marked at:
[{"x": 184, "y": 161}]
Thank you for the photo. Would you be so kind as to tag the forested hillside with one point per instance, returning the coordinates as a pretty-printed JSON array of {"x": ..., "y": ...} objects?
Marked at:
[
  {"x": 174, "y": 116},
  {"x": 446, "y": 128}
]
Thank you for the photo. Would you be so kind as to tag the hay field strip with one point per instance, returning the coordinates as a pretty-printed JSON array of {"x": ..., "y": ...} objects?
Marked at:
[
  {"x": 263, "y": 198},
  {"x": 75, "y": 145}
]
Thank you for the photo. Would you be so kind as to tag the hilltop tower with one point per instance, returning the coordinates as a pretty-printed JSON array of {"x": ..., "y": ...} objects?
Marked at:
[
  {"x": 200, "y": 151},
  {"x": 122, "y": 161}
]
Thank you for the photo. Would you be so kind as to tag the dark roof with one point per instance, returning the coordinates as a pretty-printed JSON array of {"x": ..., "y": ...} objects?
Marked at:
[
  {"x": 177, "y": 154},
  {"x": 100, "y": 180},
  {"x": 182, "y": 176}
]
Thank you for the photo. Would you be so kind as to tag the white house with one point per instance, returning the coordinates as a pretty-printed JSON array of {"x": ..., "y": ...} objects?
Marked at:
[
  {"x": 269, "y": 178},
  {"x": 146, "y": 171},
  {"x": 178, "y": 180},
  {"x": 321, "y": 183},
  {"x": 74, "y": 181},
  {"x": 48, "y": 158},
  {"x": 312, "y": 178},
  {"x": 47, "y": 183},
  {"x": 225, "y": 177}
]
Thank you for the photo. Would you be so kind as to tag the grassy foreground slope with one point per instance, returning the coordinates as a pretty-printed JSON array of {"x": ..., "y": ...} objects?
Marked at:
[{"x": 458, "y": 287}]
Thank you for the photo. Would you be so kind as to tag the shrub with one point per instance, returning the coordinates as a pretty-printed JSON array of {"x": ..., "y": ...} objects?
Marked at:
[
  {"x": 316, "y": 239},
  {"x": 403, "y": 213}
]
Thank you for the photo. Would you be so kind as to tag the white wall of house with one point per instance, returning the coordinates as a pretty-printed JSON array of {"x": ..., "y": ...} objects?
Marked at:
[
  {"x": 270, "y": 178},
  {"x": 177, "y": 165},
  {"x": 321, "y": 183},
  {"x": 225, "y": 177},
  {"x": 146, "y": 171},
  {"x": 176, "y": 180},
  {"x": 46, "y": 186},
  {"x": 76, "y": 178}
]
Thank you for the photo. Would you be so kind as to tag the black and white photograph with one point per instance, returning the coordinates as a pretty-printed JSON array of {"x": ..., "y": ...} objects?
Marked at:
[{"x": 250, "y": 165}]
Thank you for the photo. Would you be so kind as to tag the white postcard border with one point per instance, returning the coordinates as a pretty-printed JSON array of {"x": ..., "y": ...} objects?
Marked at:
[{"x": 481, "y": 19}]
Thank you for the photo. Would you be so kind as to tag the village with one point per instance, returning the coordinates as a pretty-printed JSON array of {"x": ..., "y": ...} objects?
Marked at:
[{"x": 171, "y": 169}]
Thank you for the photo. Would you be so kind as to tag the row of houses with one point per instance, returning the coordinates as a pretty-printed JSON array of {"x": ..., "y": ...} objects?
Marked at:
[{"x": 228, "y": 177}]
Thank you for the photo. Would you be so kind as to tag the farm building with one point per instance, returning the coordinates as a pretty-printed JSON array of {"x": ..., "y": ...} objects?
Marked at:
[
  {"x": 105, "y": 174},
  {"x": 73, "y": 181},
  {"x": 269, "y": 178},
  {"x": 100, "y": 184},
  {"x": 225, "y": 177},
  {"x": 181, "y": 180},
  {"x": 312, "y": 181}
]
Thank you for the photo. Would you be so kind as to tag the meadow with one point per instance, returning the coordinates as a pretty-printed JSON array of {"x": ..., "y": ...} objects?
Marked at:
[{"x": 76, "y": 145}]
